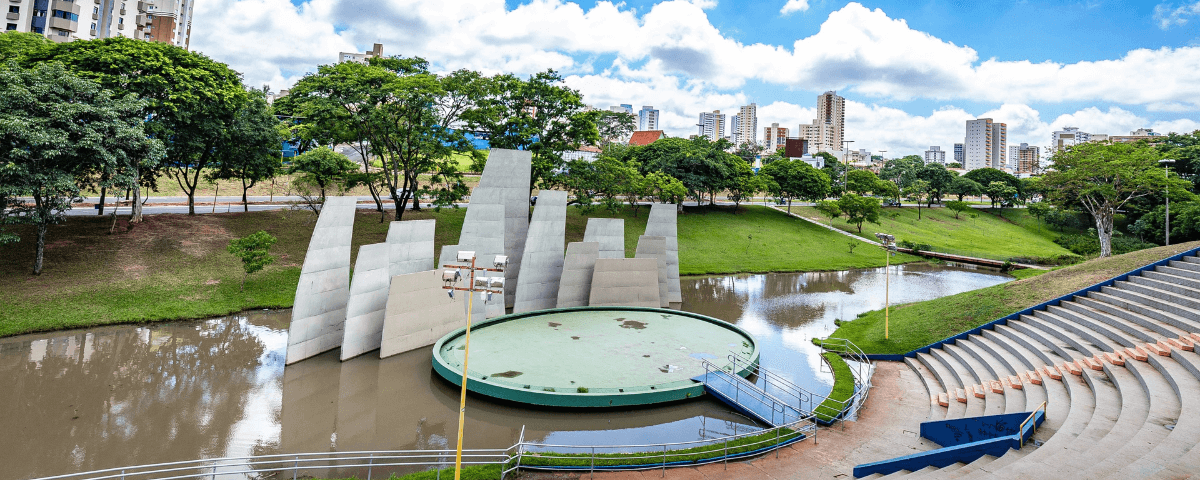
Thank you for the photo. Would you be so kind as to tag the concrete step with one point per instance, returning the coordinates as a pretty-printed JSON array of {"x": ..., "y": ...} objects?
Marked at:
[
  {"x": 1143, "y": 329},
  {"x": 1179, "y": 272},
  {"x": 1174, "y": 285},
  {"x": 1180, "y": 445},
  {"x": 1192, "y": 259},
  {"x": 1141, "y": 312},
  {"x": 1005, "y": 363},
  {"x": 936, "y": 412},
  {"x": 1185, "y": 280},
  {"x": 948, "y": 383},
  {"x": 1170, "y": 296},
  {"x": 1151, "y": 303},
  {"x": 1184, "y": 265},
  {"x": 993, "y": 403},
  {"x": 974, "y": 406}
]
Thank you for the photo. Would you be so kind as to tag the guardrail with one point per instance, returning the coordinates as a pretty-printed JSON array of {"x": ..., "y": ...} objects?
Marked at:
[
  {"x": 806, "y": 401},
  {"x": 757, "y": 402},
  {"x": 860, "y": 368},
  {"x": 1032, "y": 415}
]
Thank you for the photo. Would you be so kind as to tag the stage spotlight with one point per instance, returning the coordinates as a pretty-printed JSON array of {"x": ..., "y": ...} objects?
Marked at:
[{"x": 466, "y": 256}]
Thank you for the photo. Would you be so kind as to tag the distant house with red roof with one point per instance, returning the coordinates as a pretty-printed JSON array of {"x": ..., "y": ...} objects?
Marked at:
[{"x": 646, "y": 137}]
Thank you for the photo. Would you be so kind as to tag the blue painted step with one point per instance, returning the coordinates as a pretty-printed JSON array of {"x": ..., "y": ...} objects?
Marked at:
[
  {"x": 962, "y": 440},
  {"x": 748, "y": 398}
]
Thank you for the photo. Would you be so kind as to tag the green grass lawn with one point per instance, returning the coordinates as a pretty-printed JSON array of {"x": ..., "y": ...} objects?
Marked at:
[
  {"x": 843, "y": 388},
  {"x": 919, "y": 324},
  {"x": 1015, "y": 235},
  {"x": 176, "y": 267}
]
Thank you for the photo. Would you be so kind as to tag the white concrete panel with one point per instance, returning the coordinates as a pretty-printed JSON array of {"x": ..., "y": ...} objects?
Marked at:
[
  {"x": 542, "y": 265},
  {"x": 625, "y": 282},
  {"x": 609, "y": 233},
  {"x": 663, "y": 223},
  {"x": 505, "y": 182},
  {"x": 575, "y": 285},
  {"x": 419, "y": 312},
  {"x": 319, "y": 312},
  {"x": 368, "y": 297},
  {"x": 656, "y": 248}
]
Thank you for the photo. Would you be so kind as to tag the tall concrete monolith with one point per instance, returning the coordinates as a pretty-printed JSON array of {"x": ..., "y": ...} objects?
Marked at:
[
  {"x": 542, "y": 265},
  {"x": 609, "y": 233},
  {"x": 505, "y": 182},
  {"x": 625, "y": 282},
  {"x": 656, "y": 247},
  {"x": 663, "y": 222},
  {"x": 319, "y": 311},
  {"x": 575, "y": 285},
  {"x": 368, "y": 297}
]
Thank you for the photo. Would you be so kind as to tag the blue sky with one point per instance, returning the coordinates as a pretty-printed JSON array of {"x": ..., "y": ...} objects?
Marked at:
[{"x": 912, "y": 72}]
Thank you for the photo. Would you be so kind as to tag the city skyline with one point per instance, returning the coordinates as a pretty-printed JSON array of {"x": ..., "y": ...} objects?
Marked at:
[{"x": 912, "y": 72}]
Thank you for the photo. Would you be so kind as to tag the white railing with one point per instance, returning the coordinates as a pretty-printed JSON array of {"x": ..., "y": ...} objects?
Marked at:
[
  {"x": 781, "y": 412},
  {"x": 860, "y": 367}
]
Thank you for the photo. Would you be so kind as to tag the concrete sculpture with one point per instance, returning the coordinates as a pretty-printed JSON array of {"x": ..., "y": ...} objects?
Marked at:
[
  {"x": 483, "y": 233},
  {"x": 409, "y": 249},
  {"x": 575, "y": 285},
  {"x": 625, "y": 281},
  {"x": 319, "y": 313},
  {"x": 419, "y": 312},
  {"x": 542, "y": 265},
  {"x": 656, "y": 248},
  {"x": 662, "y": 222},
  {"x": 505, "y": 182},
  {"x": 609, "y": 233},
  {"x": 368, "y": 297}
]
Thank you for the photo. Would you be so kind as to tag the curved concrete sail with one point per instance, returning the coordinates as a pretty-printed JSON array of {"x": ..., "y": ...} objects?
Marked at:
[
  {"x": 505, "y": 182},
  {"x": 655, "y": 247},
  {"x": 368, "y": 297},
  {"x": 609, "y": 233},
  {"x": 575, "y": 285},
  {"x": 419, "y": 312},
  {"x": 411, "y": 246},
  {"x": 319, "y": 313},
  {"x": 483, "y": 233},
  {"x": 542, "y": 265},
  {"x": 662, "y": 223},
  {"x": 629, "y": 282}
]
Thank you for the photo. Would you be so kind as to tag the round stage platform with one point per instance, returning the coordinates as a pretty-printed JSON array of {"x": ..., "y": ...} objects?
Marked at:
[{"x": 592, "y": 356}]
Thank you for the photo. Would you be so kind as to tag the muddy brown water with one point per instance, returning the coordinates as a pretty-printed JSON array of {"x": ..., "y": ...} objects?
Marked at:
[{"x": 126, "y": 395}]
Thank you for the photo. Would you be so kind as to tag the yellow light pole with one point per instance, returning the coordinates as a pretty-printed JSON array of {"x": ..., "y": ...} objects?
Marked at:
[
  {"x": 888, "y": 242},
  {"x": 486, "y": 286}
]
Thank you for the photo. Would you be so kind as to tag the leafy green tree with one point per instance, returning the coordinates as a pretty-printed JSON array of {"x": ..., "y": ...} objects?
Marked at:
[
  {"x": 861, "y": 182},
  {"x": 254, "y": 251},
  {"x": 56, "y": 128},
  {"x": 1031, "y": 189},
  {"x": 665, "y": 188},
  {"x": 998, "y": 192},
  {"x": 1185, "y": 223},
  {"x": 1038, "y": 210},
  {"x": 615, "y": 127},
  {"x": 964, "y": 187},
  {"x": 748, "y": 151},
  {"x": 540, "y": 115},
  {"x": 836, "y": 171},
  {"x": 250, "y": 150},
  {"x": 1185, "y": 150},
  {"x": 918, "y": 190},
  {"x": 16, "y": 45},
  {"x": 704, "y": 167},
  {"x": 796, "y": 179},
  {"x": 953, "y": 165},
  {"x": 860, "y": 209},
  {"x": 1102, "y": 178},
  {"x": 985, "y": 176},
  {"x": 940, "y": 181},
  {"x": 958, "y": 207},
  {"x": 888, "y": 189},
  {"x": 745, "y": 184},
  {"x": 829, "y": 209},
  {"x": 902, "y": 171},
  {"x": 190, "y": 101},
  {"x": 322, "y": 167}
]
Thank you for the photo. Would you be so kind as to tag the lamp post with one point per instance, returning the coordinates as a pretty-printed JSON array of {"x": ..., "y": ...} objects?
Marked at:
[
  {"x": 845, "y": 164},
  {"x": 1166, "y": 163},
  {"x": 889, "y": 244},
  {"x": 486, "y": 286}
]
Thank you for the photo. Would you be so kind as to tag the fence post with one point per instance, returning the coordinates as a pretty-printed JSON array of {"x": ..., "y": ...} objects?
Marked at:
[
  {"x": 213, "y": 475},
  {"x": 664, "y": 461},
  {"x": 592, "y": 473},
  {"x": 727, "y": 452},
  {"x": 296, "y": 467},
  {"x": 776, "y": 443},
  {"x": 122, "y": 474},
  {"x": 370, "y": 463}
]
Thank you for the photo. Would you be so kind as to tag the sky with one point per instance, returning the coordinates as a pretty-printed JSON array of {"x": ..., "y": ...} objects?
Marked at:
[{"x": 912, "y": 72}]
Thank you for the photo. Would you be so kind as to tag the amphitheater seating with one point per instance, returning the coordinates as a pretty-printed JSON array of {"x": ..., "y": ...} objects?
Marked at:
[{"x": 1117, "y": 369}]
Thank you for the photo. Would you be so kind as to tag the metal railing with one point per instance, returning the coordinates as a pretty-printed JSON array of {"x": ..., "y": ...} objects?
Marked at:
[
  {"x": 1032, "y": 415},
  {"x": 806, "y": 401},
  {"x": 860, "y": 368},
  {"x": 780, "y": 412}
]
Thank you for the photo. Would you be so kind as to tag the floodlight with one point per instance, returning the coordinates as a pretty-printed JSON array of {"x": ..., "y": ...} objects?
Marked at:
[
  {"x": 486, "y": 296},
  {"x": 1166, "y": 161},
  {"x": 501, "y": 261},
  {"x": 466, "y": 256},
  {"x": 450, "y": 277},
  {"x": 496, "y": 282},
  {"x": 481, "y": 282},
  {"x": 450, "y": 292}
]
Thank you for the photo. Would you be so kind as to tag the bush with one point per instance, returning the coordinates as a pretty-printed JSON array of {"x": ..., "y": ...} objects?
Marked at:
[{"x": 1090, "y": 244}]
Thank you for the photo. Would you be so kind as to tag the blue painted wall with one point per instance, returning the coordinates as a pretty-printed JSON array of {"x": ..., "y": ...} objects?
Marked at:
[{"x": 993, "y": 435}]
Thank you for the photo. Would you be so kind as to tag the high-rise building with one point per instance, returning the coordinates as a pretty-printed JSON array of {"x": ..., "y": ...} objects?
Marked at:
[
  {"x": 712, "y": 125},
  {"x": 985, "y": 145},
  {"x": 622, "y": 108},
  {"x": 746, "y": 129},
  {"x": 165, "y": 21},
  {"x": 375, "y": 52},
  {"x": 935, "y": 154},
  {"x": 1024, "y": 158},
  {"x": 647, "y": 118},
  {"x": 735, "y": 135},
  {"x": 827, "y": 130},
  {"x": 774, "y": 136},
  {"x": 1068, "y": 136},
  {"x": 959, "y": 155}
]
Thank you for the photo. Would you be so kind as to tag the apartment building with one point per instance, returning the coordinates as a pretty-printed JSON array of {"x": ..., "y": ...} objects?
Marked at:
[
  {"x": 774, "y": 137},
  {"x": 935, "y": 154},
  {"x": 959, "y": 155},
  {"x": 1068, "y": 136},
  {"x": 826, "y": 132},
  {"x": 375, "y": 52},
  {"x": 712, "y": 125},
  {"x": 1024, "y": 158},
  {"x": 165, "y": 21},
  {"x": 985, "y": 145},
  {"x": 622, "y": 108},
  {"x": 647, "y": 118},
  {"x": 746, "y": 129}
]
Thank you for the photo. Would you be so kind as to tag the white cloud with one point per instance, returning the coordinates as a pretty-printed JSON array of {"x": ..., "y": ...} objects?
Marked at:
[
  {"x": 793, "y": 6},
  {"x": 1167, "y": 16}
]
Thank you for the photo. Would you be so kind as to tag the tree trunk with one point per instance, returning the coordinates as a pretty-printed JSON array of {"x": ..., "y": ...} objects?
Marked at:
[
  {"x": 789, "y": 205},
  {"x": 100, "y": 210},
  {"x": 41, "y": 236},
  {"x": 135, "y": 215},
  {"x": 191, "y": 203},
  {"x": 1104, "y": 230}
]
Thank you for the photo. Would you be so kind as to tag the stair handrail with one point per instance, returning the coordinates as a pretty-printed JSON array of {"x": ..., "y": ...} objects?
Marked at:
[
  {"x": 739, "y": 383},
  {"x": 1021, "y": 430},
  {"x": 770, "y": 377}
]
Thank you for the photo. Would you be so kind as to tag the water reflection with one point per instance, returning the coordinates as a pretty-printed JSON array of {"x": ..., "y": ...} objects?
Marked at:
[{"x": 124, "y": 395}]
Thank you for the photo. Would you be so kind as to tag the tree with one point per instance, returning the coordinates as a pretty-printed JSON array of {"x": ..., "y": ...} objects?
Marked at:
[
  {"x": 918, "y": 190},
  {"x": 835, "y": 170},
  {"x": 254, "y": 250},
  {"x": 322, "y": 167},
  {"x": 745, "y": 184},
  {"x": 190, "y": 101},
  {"x": 665, "y": 188},
  {"x": 252, "y": 142},
  {"x": 953, "y": 165},
  {"x": 1031, "y": 189},
  {"x": 1102, "y": 178},
  {"x": 860, "y": 209},
  {"x": 985, "y": 176},
  {"x": 539, "y": 115},
  {"x": 16, "y": 45},
  {"x": 1185, "y": 150},
  {"x": 797, "y": 179},
  {"x": 888, "y": 189},
  {"x": 748, "y": 151},
  {"x": 861, "y": 182},
  {"x": 1039, "y": 210},
  {"x": 964, "y": 187},
  {"x": 704, "y": 167},
  {"x": 1000, "y": 191},
  {"x": 940, "y": 180},
  {"x": 615, "y": 127},
  {"x": 958, "y": 207},
  {"x": 829, "y": 209},
  {"x": 56, "y": 128},
  {"x": 902, "y": 171}
]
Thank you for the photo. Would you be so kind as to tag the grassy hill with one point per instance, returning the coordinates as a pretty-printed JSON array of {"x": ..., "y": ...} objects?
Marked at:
[
  {"x": 176, "y": 266},
  {"x": 918, "y": 324}
]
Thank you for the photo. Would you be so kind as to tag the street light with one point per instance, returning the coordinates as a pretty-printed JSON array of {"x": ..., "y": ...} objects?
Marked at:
[
  {"x": 1166, "y": 163},
  {"x": 889, "y": 245},
  {"x": 486, "y": 286},
  {"x": 845, "y": 164}
]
